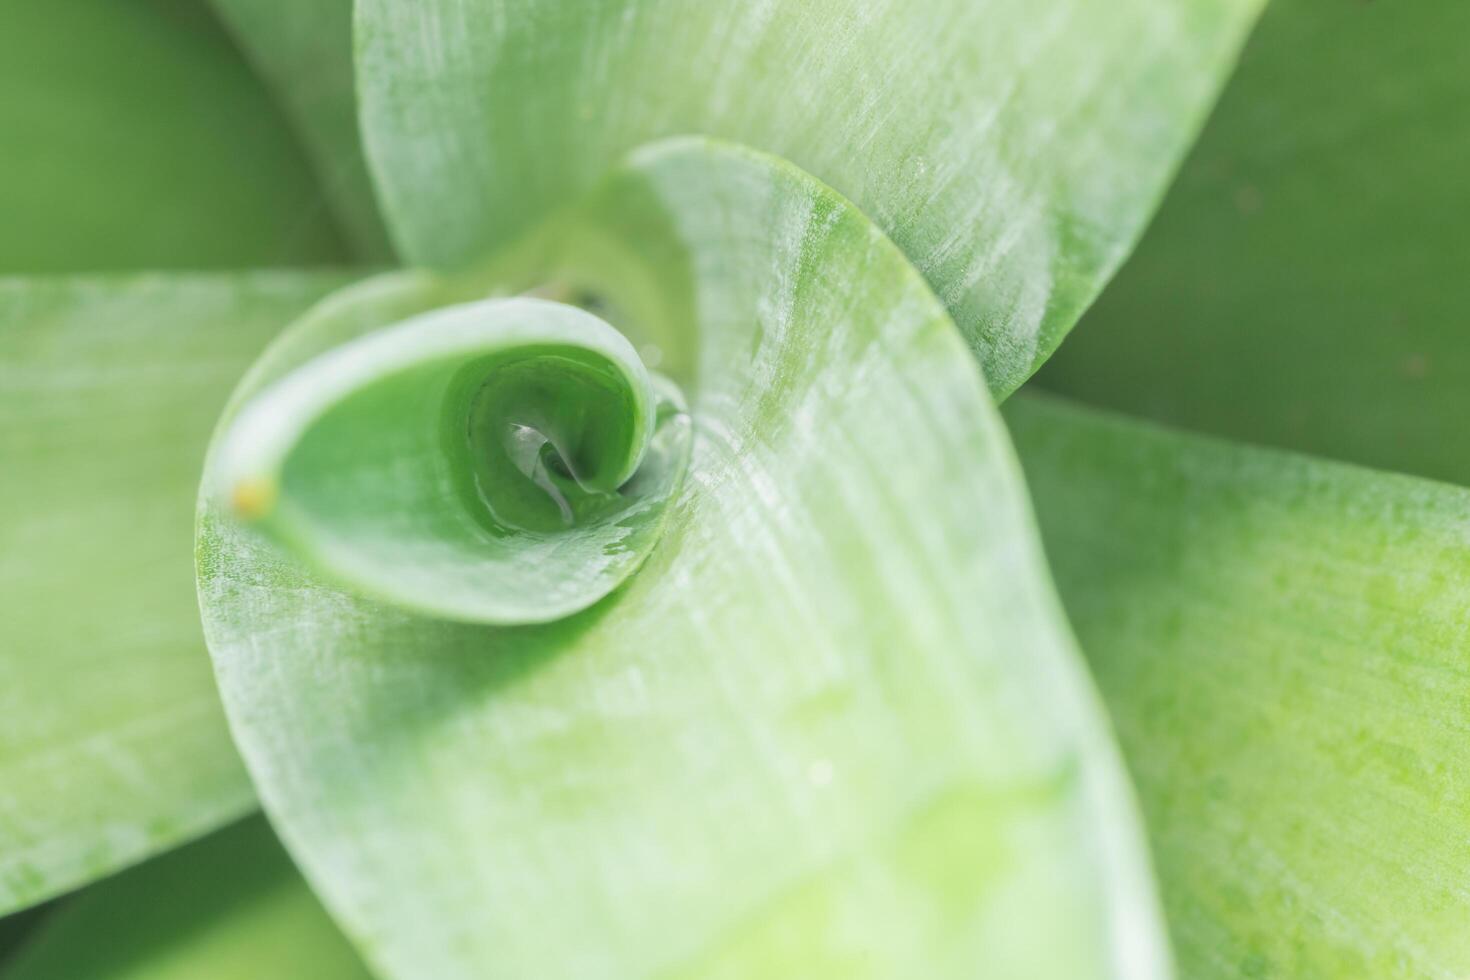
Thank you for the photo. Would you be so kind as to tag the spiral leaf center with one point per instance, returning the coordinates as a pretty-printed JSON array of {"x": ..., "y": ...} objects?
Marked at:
[{"x": 502, "y": 461}]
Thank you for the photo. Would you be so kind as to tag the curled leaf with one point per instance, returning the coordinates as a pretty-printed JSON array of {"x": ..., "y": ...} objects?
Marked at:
[
  {"x": 833, "y": 726},
  {"x": 503, "y": 461}
]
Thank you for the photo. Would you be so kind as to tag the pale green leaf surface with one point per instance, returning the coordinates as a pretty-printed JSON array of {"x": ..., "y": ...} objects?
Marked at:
[
  {"x": 834, "y": 726},
  {"x": 504, "y": 461},
  {"x": 112, "y": 744},
  {"x": 229, "y": 907},
  {"x": 134, "y": 136},
  {"x": 1283, "y": 645},
  {"x": 304, "y": 48},
  {"x": 1011, "y": 148},
  {"x": 1305, "y": 283}
]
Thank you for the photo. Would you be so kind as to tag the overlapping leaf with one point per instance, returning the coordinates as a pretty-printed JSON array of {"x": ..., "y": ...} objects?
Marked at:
[
  {"x": 1305, "y": 282},
  {"x": 1012, "y": 149},
  {"x": 1283, "y": 645},
  {"x": 833, "y": 727},
  {"x": 230, "y": 907},
  {"x": 112, "y": 745},
  {"x": 842, "y": 663},
  {"x": 305, "y": 50}
]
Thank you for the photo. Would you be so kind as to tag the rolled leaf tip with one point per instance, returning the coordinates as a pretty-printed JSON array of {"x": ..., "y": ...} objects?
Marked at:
[{"x": 500, "y": 461}]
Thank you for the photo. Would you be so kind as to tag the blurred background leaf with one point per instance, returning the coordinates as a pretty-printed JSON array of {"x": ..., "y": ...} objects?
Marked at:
[
  {"x": 304, "y": 49},
  {"x": 135, "y": 136},
  {"x": 1307, "y": 282},
  {"x": 229, "y": 907},
  {"x": 17, "y": 928}
]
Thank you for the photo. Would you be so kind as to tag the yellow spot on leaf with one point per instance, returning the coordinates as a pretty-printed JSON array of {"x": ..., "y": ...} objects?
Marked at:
[{"x": 253, "y": 498}]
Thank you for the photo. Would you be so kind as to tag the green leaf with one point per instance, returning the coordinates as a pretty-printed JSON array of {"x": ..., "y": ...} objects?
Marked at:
[
  {"x": 1282, "y": 644},
  {"x": 136, "y": 137},
  {"x": 834, "y": 726},
  {"x": 17, "y": 928},
  {"x": 112, "y": 744},
  {"x": 1305, "y": 282},
  {"x": 229, "y": 907},
  {"x": 1011, "y": 148},
  {"x": 305, "y": 50},
  {"x": 505, "y": 461}
]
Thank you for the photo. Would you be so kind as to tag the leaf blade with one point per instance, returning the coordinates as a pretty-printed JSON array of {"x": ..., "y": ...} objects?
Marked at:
[
  {"x": 1013, "y": 154},
  {"x": 305, "y": 50},
  {"x": 112, "y": 743},
  {"x": 1281, "y": 643},
  {"x": 1303, "y": 284},
  {"x": 229, "y": 907},
  {"x": 757, "y": 753}
]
